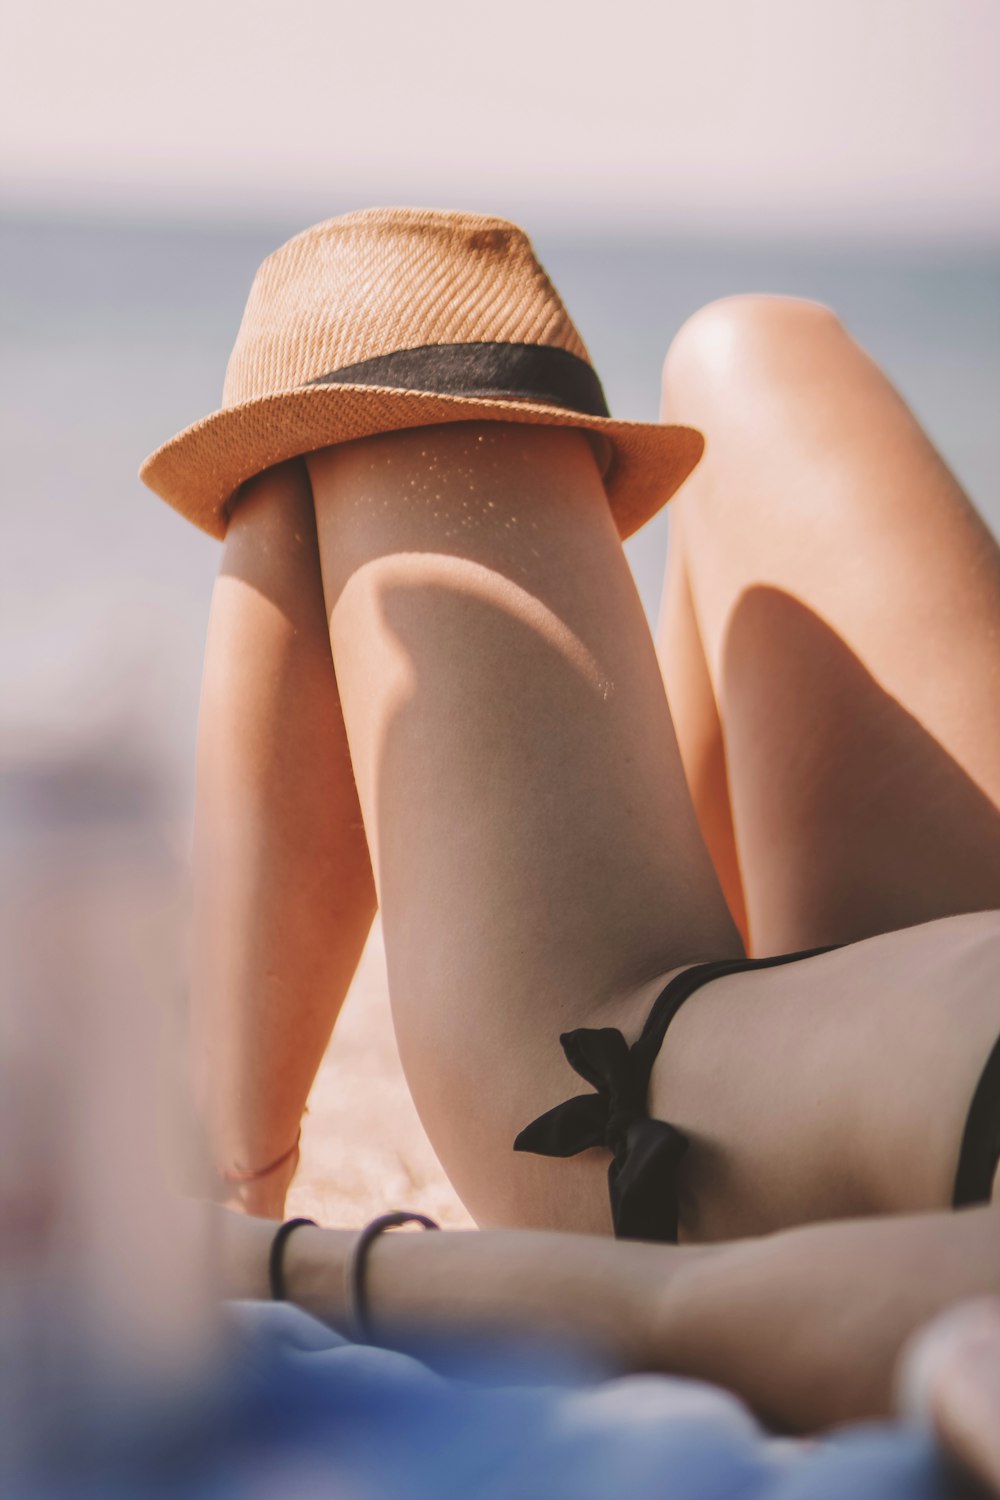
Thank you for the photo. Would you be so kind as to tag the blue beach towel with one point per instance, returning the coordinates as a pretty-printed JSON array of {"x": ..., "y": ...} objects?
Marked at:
[
  {"x": 294, "y": 1412},
  {"x": 382, "y": 1424}
]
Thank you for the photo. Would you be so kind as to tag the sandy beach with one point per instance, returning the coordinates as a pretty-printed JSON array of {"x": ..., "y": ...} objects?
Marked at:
[{"x": 364, "y": 1150}]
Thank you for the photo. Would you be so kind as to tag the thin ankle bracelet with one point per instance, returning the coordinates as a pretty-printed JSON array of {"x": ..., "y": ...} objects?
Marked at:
[{"x": 254, "y": 1174}]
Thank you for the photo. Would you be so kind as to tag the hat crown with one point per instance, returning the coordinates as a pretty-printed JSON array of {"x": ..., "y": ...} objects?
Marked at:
[{"x": 380, "y": 280}]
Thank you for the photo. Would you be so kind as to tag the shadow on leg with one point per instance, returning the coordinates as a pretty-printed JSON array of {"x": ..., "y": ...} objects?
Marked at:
[
  {"x": 890, "y": 828},
  {"x": 537, "y": 856},
  {"x": 864, "y": 795},
  {"x": 845, "y": 598},
  {"x": 693, "y": 709}
]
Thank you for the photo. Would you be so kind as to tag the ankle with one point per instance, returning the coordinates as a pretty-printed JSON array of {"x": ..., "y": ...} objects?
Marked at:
[
  {"x": 259, "y": 1200},
  {"x": 259, "y": 1191}
]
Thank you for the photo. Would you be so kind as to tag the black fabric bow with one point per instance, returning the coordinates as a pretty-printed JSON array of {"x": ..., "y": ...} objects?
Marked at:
[{"x": 646, "y": 1154}]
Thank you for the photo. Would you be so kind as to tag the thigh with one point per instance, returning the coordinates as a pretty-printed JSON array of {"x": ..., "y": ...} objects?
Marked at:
[
  {"x": 697, "y": 724},
  {"x": 537, "y": 857},
  {"x": 848, "y": 599}
]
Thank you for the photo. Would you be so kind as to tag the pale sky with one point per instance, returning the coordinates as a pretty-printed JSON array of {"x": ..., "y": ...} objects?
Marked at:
[{"x": 791, "y": 117}]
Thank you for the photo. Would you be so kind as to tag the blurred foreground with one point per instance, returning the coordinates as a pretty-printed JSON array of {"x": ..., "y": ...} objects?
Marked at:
[{"x": 124, "y": 1374}]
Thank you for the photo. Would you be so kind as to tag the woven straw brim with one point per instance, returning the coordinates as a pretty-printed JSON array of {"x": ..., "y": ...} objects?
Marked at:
[{"x": 200, "y": 470}]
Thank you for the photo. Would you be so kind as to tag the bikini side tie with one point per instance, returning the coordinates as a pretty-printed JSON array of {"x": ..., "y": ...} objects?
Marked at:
[{"x": 646, "y": 1153}]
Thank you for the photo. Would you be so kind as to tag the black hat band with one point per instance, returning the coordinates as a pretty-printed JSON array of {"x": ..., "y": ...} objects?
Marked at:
[{"x": 536, "y": 372}]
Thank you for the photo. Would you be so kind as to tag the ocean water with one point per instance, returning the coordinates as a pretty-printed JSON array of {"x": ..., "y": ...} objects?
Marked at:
[{"x": 113, "y": 337}]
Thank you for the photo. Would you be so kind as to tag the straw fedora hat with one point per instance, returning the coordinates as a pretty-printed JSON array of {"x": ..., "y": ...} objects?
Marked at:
[{"x": 399, "y": 317}]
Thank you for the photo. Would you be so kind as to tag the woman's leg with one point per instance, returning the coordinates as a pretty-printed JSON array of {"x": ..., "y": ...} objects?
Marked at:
[
  {"x": 537, "y": 857},
  {"x": 848, "y": 598},
  {"x": 693, "y": 708},
  {"x": 284, "y": 896}
]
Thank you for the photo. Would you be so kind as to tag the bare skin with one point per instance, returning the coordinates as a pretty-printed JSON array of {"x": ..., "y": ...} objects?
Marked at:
[
  {"x": 830, "y": 645},
  {"x": 284, "y": 895},
  {"x": 846, "y": 597},
  {"x": 833, "y": 1331},
  {"x": 516, "y": 771},
  {"x": 540, "y": 861}
]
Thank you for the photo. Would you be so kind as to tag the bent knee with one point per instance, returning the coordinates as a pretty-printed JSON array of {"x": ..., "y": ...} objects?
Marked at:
[{"x": 748, "y": 335}]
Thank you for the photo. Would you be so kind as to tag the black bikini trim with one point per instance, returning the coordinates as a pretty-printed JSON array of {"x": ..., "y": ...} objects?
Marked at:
[
  {"x": 646, "y": 1153},
  {"x": 553, "y": 377},
  {"x": 980, "y": 1151}
]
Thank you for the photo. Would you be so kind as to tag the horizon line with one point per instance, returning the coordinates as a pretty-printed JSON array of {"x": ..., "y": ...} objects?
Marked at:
[{"x": 193, "y": 213}]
